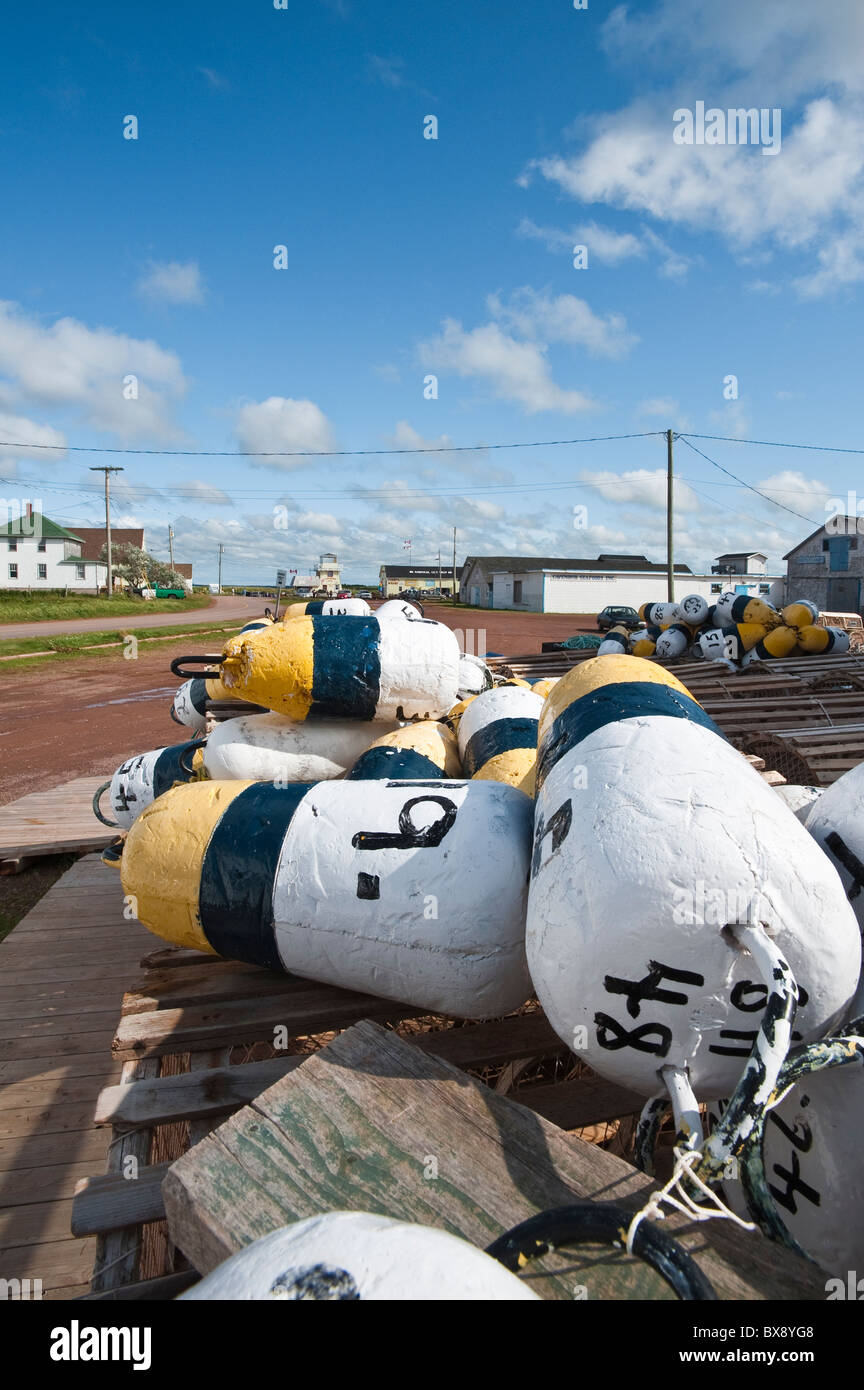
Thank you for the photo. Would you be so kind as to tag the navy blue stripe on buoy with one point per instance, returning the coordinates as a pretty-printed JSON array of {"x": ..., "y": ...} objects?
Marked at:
[
  {"x": 235, "y": 897},
  {"x": 395, "y": 764},
  {"x": 198, "y": 694},
  {"x": 254, "y": 627},
  {"x": 167, "y": 769},
  {"x": 498, "y": 737},
  {"x": 316, "y": 608},
  {"x": 607, "y": 705},
  {"x": 346, "y": 668}
]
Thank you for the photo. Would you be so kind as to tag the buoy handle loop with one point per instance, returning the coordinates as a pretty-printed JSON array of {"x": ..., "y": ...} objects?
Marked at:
[
  {"x": 602, "y": 1222},
  {"x": 178, "y": 667}
]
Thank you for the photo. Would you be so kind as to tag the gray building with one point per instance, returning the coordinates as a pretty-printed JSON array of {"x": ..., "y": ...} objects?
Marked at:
[{"x": 828, "y": 566}]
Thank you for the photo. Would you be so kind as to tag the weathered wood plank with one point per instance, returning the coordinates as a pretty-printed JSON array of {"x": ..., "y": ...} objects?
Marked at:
[
  {"x": 53, "y": 822},
  {"x": 113, "y": 1203},
  {"x": 315, "y": 1009},
  {"x": 588, "y": 1100},
  {"x": 118, "y": 1250},
  {"x": 206, "y": 1094},
  {"x": 358, "y": 1125}
]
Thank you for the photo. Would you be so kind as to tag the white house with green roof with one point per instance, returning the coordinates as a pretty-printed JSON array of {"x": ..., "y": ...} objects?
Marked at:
[{"x": 36, "y": 553}]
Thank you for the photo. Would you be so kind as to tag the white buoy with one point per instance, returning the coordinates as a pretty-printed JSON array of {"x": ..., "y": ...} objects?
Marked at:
[
  {"x": 358, "y": 668},
  {"x": 694, "y": 609},
  {"x": 498, "y": 736},
  {"x": 659, "y": 614},
  {"x": 474, "y": 676},
  {"x": 812, "y": 1148},
  {"x": 140, "y": 779},
  {"x": 189, "y": 706},
  {"x": 403, "y": 889},
  {"x": 350, "y": 1255},
  {"x": 328, "y": 608},
  {"x": 270, "y": 747},
  {"x": 399, "y": 608},
  {"x": 836, "y": 822},
  {"x": 615, "y": 643},
  {"x": 630, "y": 952},
  {"x": 674, "y": 641},
  {"x": 799, "y": 799}
]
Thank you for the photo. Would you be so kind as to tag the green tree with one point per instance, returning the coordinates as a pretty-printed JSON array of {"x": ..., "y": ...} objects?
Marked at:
[{"x": 138, "y": 568}]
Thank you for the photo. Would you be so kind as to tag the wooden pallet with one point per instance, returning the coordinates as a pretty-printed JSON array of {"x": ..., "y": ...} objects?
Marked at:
[
  {"x": 59, "y": 821},
  {"x": 375, "y": 1123},
  {"x": 196, "y": 1043}
]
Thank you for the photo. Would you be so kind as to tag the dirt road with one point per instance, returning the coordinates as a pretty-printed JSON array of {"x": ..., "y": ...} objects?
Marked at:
[
  {"x": 227, "y": 607},
  {"x": 83, "y": 716}
]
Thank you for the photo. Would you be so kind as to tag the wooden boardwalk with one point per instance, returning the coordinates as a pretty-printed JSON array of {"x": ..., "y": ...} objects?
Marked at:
[
  {"x": 63, "y": 972},
  {"x": 59, "y": 821}
]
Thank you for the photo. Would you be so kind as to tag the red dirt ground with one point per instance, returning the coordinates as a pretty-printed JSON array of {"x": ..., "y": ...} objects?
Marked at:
[{"x": 85, "y": 715}]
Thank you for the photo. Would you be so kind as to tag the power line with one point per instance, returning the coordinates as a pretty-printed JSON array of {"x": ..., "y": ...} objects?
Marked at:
[
  {"x": 775, "y": 444},
  {"x": 750, "y": 486},
  {"x": 325, "y": 453}
]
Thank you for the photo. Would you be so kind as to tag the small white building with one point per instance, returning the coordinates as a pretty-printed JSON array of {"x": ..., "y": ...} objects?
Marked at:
[
  {"x": 36, "y": 553},
  {"x": 547, "y": 585}
]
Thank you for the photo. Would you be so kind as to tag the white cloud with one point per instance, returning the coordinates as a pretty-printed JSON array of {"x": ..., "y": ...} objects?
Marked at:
[
  {"x": 173, "y": 282},
  {"x": 198, "y": 491},
  {"x": 406, "y": 437},
  {"x": 645, "y": 487},
  {"x": 68, "y": 365},
  {"x": 604, "y": 244},
  {"x": 786, "y": 54},
  {"x": 387, "y": 70},
  {"x": 801, "y": 493},
  {"x": 660, "y": 405},
  {"x": 513, "y": 370},
  {"x": 563, "y": 319},
  {"x": 17, "y": 428},
  {"x": 215, "y": 79},
  {"x": 282, "y": 424},
  {"x": 790, "y": 46}
]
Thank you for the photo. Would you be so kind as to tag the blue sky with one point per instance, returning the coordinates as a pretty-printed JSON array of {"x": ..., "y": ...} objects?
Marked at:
[{"x": 303, "y": 127}]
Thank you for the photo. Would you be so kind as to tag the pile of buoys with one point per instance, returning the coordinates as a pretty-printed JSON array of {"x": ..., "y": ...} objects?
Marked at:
[
  {"x": 735, "y": 630},
  {"x": 400, "y": 822}
]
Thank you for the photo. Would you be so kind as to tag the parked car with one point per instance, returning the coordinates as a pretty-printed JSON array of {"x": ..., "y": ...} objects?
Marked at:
[
  {"x": 617, "y": 617},
  {"x": 344, "y": 593},
  {"x": 365, "y": 593}
]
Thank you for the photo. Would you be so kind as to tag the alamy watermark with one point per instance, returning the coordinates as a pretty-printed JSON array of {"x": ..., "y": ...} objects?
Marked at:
[{"x": 737, "y": 126}]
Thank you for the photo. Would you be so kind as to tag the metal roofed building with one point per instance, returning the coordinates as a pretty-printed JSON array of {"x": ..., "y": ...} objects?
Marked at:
[{"x": 547, "y": 584}]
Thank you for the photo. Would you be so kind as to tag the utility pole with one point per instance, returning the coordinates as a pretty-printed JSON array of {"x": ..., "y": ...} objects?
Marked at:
[
  {"x": 439, "y": 572},
  {"x": 221, "y": 548},
  {"x": 454, "y": 565},
  {"x": 107, "y": 471},
  {"x": 670, "y": 564},
  {"x": 171, "y": 545}
]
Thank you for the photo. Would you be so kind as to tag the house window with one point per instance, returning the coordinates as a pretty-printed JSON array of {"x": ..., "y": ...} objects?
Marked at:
[
  {"x": 13, "y": 571},
  {"x": 764, "y": 588},
  {"x": 41, "y": 571},
  {"x": 80, "y": 572},
  {"x": 41, "y": 547},
  {"x": 716, "y": 588},
  {"x": 13, "y": 545},
  {"x": 517, "y": 590}
]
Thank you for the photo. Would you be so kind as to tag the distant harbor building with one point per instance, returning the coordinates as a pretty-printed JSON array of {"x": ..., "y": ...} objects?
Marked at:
[
  {"x": 547, "y": 584},
  {"x": 326, "y": 578},
  {"x": 828, "y": 565},
  {"x": 395, "y": 579}
]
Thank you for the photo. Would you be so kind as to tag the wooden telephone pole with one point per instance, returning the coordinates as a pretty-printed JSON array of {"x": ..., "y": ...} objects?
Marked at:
[
  {"x": 670, "y": 564},
  {"x": 107, "y": 471}
]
